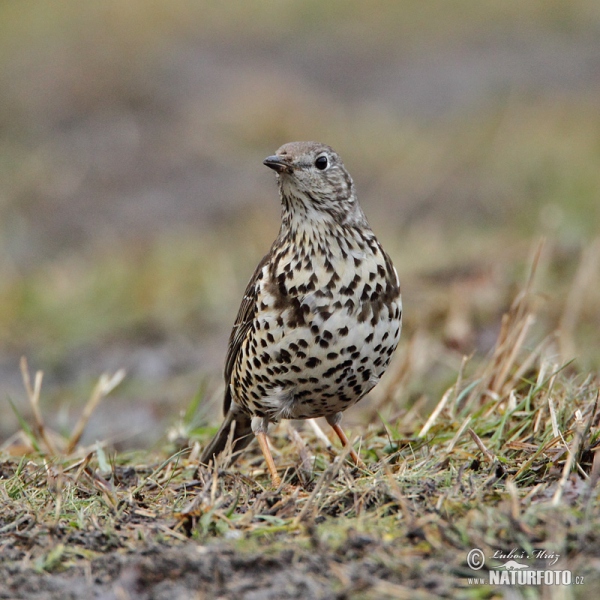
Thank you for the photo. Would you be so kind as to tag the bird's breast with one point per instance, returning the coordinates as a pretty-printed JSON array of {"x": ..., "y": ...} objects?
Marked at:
[{"x": 327, "y": 323}]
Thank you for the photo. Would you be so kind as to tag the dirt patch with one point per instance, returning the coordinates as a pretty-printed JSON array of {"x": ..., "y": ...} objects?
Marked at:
[{"x": 192, "y": 570}]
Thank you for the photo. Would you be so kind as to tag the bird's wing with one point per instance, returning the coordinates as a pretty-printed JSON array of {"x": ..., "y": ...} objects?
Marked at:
[{"x": 242, "y": 324}]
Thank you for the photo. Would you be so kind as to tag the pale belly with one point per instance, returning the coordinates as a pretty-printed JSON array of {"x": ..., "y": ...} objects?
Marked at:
[{"x": 315, "y": 369}]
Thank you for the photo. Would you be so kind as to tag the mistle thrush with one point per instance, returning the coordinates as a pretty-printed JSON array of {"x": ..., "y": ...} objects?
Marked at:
[{"x": 321, "y": 316}]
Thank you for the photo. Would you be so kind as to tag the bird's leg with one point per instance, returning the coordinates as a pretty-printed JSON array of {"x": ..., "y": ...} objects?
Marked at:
[
  {"x": 259, "y": 427},
  {"x": 334, "y": 421},
  {"x": 261, "y": 436}
]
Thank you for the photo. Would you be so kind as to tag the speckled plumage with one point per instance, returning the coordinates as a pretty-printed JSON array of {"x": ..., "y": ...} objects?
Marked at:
[{"x": 321, "y": 316}]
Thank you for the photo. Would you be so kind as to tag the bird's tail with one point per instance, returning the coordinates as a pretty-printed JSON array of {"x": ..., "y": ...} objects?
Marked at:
[{"x": 237, "y": 426}]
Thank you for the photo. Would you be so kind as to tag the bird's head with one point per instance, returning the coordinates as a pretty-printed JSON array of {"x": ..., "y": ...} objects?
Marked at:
[{"x": 312, "y": 178}]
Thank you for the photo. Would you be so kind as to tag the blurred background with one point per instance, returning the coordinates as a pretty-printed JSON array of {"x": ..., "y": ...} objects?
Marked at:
[{"x": 134, "y": 204}]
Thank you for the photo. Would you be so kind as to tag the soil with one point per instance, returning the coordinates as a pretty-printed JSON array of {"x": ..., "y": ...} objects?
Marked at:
[{"x": 190, "y": 570}]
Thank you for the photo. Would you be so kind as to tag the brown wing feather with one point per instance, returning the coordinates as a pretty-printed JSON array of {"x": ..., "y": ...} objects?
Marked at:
[{"x": 244, "y": 319}]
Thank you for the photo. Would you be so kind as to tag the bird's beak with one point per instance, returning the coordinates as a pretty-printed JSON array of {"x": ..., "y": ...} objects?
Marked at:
[{"x": 277, "y": 164}]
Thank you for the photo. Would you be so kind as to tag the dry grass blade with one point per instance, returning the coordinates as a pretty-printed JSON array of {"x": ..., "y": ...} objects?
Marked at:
[
  {"x": 436, "y": 412},
  {"x": 513, "y": 331},
  {"x": 324, "y": 482},
  {"x": 514, "y": 499},
  {"x": 592, "y": 483},
  {"x": 302, "y": 449},
  {"x": 529, "y": 361},
  {"x": 457, "y": 387},
  {"x": 33, "y": 393},
  {"x": 319, "y": 433},
  {"x": 488, "y": 455},
  {"x": 104, "y": 386},
  {"x": 399, "y": 496},
  {"x": 584, "y": 278},
  {"x": 553, "y": 418},
  {"x": 571, "y": 458},
  {"x": 401, "y": 592},
  {"x": 509, "y": 350},
  {"x": 458, "y": 434}
]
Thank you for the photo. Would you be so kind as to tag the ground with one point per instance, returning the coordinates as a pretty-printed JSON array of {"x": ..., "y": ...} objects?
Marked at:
[{"x": 508, "y": 460}]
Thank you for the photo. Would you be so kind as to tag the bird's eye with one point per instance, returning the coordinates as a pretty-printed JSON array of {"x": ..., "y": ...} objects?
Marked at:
[{"x": 321, "y": 163}]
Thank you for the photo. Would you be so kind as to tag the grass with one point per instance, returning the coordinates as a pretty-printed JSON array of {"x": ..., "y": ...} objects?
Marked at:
[{"x": 507, "y": 459}]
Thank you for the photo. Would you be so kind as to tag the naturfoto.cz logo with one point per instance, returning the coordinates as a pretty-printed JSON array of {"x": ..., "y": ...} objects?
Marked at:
[{"x": 516, "y": 571}]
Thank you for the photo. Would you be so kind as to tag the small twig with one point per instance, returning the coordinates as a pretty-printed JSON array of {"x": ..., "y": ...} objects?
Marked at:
[
  {"x": 15, "y": 524},
  {"x": 488, "y": 455},
  {"x": 172, "y": 532},
  {"x": 82, "y": 464}
]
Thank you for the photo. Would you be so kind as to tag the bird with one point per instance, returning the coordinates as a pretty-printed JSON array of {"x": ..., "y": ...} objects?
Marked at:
[{"x": 321, "y": 316}]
